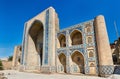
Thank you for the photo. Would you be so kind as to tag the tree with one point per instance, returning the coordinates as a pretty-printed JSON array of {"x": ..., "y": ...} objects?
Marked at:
[
  {"x": 1, "y": 65},
  {"x": 10, "y": 58}
]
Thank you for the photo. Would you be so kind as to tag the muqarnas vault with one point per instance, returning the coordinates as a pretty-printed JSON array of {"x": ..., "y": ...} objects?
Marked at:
[{"x": 82, "y": 48}]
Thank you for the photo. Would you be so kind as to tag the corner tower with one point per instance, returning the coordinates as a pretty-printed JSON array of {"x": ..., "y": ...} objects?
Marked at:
[{"x": 103, "y": 47}]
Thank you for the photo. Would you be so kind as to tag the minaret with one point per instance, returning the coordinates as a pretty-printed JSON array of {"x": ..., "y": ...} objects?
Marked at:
[{"x": 103, "y": 47}]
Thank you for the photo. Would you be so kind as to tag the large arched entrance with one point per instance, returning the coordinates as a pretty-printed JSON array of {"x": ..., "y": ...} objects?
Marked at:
[
  {"x": 36, "y": 32},
  {"x": 78, "y": 59},
  {"x": 62, "y": 59}
]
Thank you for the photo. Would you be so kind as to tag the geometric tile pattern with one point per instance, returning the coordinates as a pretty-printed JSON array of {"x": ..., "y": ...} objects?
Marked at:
[
  {"x": 46, "y": 37},
  {"x": 68, "y": 50},
  {"x": 106, "y": 69}
]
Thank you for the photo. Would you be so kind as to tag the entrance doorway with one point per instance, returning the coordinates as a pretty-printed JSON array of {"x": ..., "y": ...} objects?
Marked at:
[{"x": 36, "y": 33}]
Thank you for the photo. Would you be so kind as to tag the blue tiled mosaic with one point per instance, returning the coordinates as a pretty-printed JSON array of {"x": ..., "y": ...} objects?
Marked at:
[{"x": 83, "y": 47}]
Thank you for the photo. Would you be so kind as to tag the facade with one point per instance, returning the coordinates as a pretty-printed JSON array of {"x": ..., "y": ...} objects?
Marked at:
[
  {"x": 16, "y": 57},
  {"x": 82, "y": 48}
]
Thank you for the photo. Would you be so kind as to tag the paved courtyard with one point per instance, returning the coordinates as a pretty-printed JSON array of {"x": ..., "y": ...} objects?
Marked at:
[{"x": 10, "y": 74}]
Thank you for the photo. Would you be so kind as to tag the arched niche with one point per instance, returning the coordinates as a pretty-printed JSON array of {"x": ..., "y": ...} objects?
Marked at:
[
  {"x": 89, "y": 39},
  {"x": 76, "y": 37},
  {"x": 88, "y": 28},
  {"x": 91, "y": 53},
  {"x": 35, "y": 41},
  {"x": 78, "y": 59},
  {"x": 62, "y": 40},
  {"x": 92, "y": 68},
  {"x": 62, "y": 59}
]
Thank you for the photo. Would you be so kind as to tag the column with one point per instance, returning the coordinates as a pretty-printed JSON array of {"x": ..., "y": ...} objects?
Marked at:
[{"x": 103, "y": 47}]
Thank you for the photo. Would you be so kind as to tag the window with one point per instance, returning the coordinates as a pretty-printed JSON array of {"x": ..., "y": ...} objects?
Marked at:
[
  {"x": 91, "y": 54},
  {"x": 89, "y": 39},
  {"x": 88, "y": 28},
  {"x": 92, "y": 65}
]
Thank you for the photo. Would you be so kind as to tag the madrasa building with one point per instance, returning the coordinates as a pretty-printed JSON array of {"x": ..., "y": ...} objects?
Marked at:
[{"x": 82, "y": 48}]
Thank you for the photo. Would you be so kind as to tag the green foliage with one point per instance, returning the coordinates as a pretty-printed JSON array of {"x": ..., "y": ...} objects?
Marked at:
[
  {"x": 1, "y": 65},
  {"x": 10, "y": 58}
]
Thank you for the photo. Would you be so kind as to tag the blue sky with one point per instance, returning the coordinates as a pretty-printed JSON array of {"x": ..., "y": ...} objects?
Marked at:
[{"x": 13, "y": 14}]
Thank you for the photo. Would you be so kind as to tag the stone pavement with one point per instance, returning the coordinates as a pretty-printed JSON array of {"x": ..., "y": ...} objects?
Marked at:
[{"x": 11, "y": 74}]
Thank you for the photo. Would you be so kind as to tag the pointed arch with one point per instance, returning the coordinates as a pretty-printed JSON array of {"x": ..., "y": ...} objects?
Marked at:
[
  {"x": 76, "y": 37},
  {"x": 88, "y": 28},
  {"x": 62, "y": 59},
  {"x": 62, "y": 40},
  {"x": 78, "y": 59},
  {"x": 36, "y": 32}
]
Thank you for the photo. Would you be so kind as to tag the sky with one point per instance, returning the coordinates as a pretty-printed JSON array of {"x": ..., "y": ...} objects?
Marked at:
[{"x": 14, "y": 13}]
